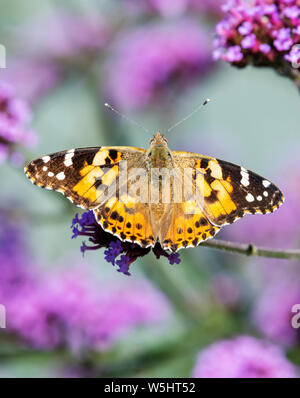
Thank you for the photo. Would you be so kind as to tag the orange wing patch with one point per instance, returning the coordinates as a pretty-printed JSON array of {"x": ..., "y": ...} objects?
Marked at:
[
  {"x": 129, "y": 220},
  {"x": 187, "y": 230}
]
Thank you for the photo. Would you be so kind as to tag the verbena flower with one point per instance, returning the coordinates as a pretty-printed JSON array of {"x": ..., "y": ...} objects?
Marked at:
[
  {"x": 33, "y": 78},
  {"x": 151, "y": 62},
  {"x": 122, "y": 254},
  {"x": 13, "y": 255},
  {"x": 272, "y": 313},
  {"x": 15, "y": 118},
  {"x": 69, "y": 308},
  {"x": 261, "y": 32},
  {"x": 243, "y": 357}
]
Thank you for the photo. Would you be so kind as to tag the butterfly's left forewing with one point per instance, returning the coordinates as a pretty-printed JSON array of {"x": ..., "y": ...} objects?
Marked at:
[{"x": 224, "y": 192}]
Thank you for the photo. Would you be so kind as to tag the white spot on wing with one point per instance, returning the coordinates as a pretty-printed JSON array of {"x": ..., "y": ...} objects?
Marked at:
[
  {"x": 245, "y": 181},
  {"x": 68, "y": 162},
  {"x": 265, "y": 194},
  {"x": 50, "y": 174},
  {"x": 45, "y": 168},
  {"x": 245, "y": 177},
  {"x": 259, "y": 198},
  {"x": 250, "y": 197},
  {"x": 60, "y": 176},
  {"x": 46, "y": 159},
  {"x": 68, "y": 158},
  {"x": 266, "y": 183}
]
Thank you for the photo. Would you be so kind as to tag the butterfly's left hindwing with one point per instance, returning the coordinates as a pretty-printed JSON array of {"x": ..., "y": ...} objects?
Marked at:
[{"x": 80, "y": 174}]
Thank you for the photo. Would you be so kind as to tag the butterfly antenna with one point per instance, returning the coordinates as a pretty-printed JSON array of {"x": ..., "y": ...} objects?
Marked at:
[
  {"x": 125, "y": 117},
  {"x": 189, "y": 115}
]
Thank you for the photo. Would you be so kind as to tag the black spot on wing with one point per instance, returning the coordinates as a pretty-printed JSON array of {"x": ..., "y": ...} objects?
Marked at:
[
  {"x": 83, "y": 157},
  {"x": 113, "y": 154},
  {"x": 204, "y": 163}
]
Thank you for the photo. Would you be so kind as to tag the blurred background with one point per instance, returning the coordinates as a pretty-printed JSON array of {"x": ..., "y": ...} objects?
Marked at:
[{"x": 213, "y": 314}]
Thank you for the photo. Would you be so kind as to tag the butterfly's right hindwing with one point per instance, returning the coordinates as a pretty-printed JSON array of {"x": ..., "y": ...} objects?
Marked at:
[{"x": 81, "y": 174}]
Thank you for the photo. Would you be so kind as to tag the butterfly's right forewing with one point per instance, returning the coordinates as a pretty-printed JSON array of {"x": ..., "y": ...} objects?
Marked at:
[{"x": 82, "y": 174}]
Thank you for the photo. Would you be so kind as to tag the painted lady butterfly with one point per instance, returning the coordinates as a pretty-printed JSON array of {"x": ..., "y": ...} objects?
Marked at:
[{"x": 136, "y": 209}]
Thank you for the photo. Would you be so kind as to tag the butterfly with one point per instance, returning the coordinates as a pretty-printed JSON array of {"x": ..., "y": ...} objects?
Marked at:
[{"x": 178, "y": 199}]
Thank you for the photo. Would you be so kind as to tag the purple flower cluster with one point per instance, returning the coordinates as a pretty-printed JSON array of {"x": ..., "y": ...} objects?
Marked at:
[
  {"x": 153, "y": 61},
  {"x": 262, "y": 32},
  {"x": 243, "y": 357},
  {"x": 122, "y": 254},
  {"x": 13, "y": 254},
  {"x": 15, "y": 117},
  {"x": 273, "y": 314},
  {"x": 69, "y": 308}
]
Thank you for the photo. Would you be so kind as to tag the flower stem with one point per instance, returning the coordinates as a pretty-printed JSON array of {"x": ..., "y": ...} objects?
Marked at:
[{"x": 249, "y": 249}]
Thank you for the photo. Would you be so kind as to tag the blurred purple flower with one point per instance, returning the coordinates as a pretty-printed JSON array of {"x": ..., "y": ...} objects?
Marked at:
[
  {"x": 32, "y": 78},
  {"x": 64, "y": 34},
  {"x": 15, "y": 117},
  {"x": 170, "y": 8},
  {"x": 86, "y": 225},
  {"x": 49, "y": 47},
  {"x": 273, "y": 312},
  {"x": 13, "y": 255},
  {"x": 70, "y": 309},
  {"x": 152, "y": 61},
  {"x": 265, "y": 31},
  {"x": 243, "y": 357}
]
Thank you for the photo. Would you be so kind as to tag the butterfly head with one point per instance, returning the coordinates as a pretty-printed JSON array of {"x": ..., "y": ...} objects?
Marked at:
[{"x": 158, "y": 140}]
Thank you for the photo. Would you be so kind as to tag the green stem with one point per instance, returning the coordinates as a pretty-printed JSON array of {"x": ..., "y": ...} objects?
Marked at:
[{"x": 249, "y": 249}]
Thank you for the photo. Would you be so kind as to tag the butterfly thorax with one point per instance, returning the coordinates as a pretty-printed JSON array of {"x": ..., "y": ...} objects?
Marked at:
[{"x": 160, "y": 157}]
